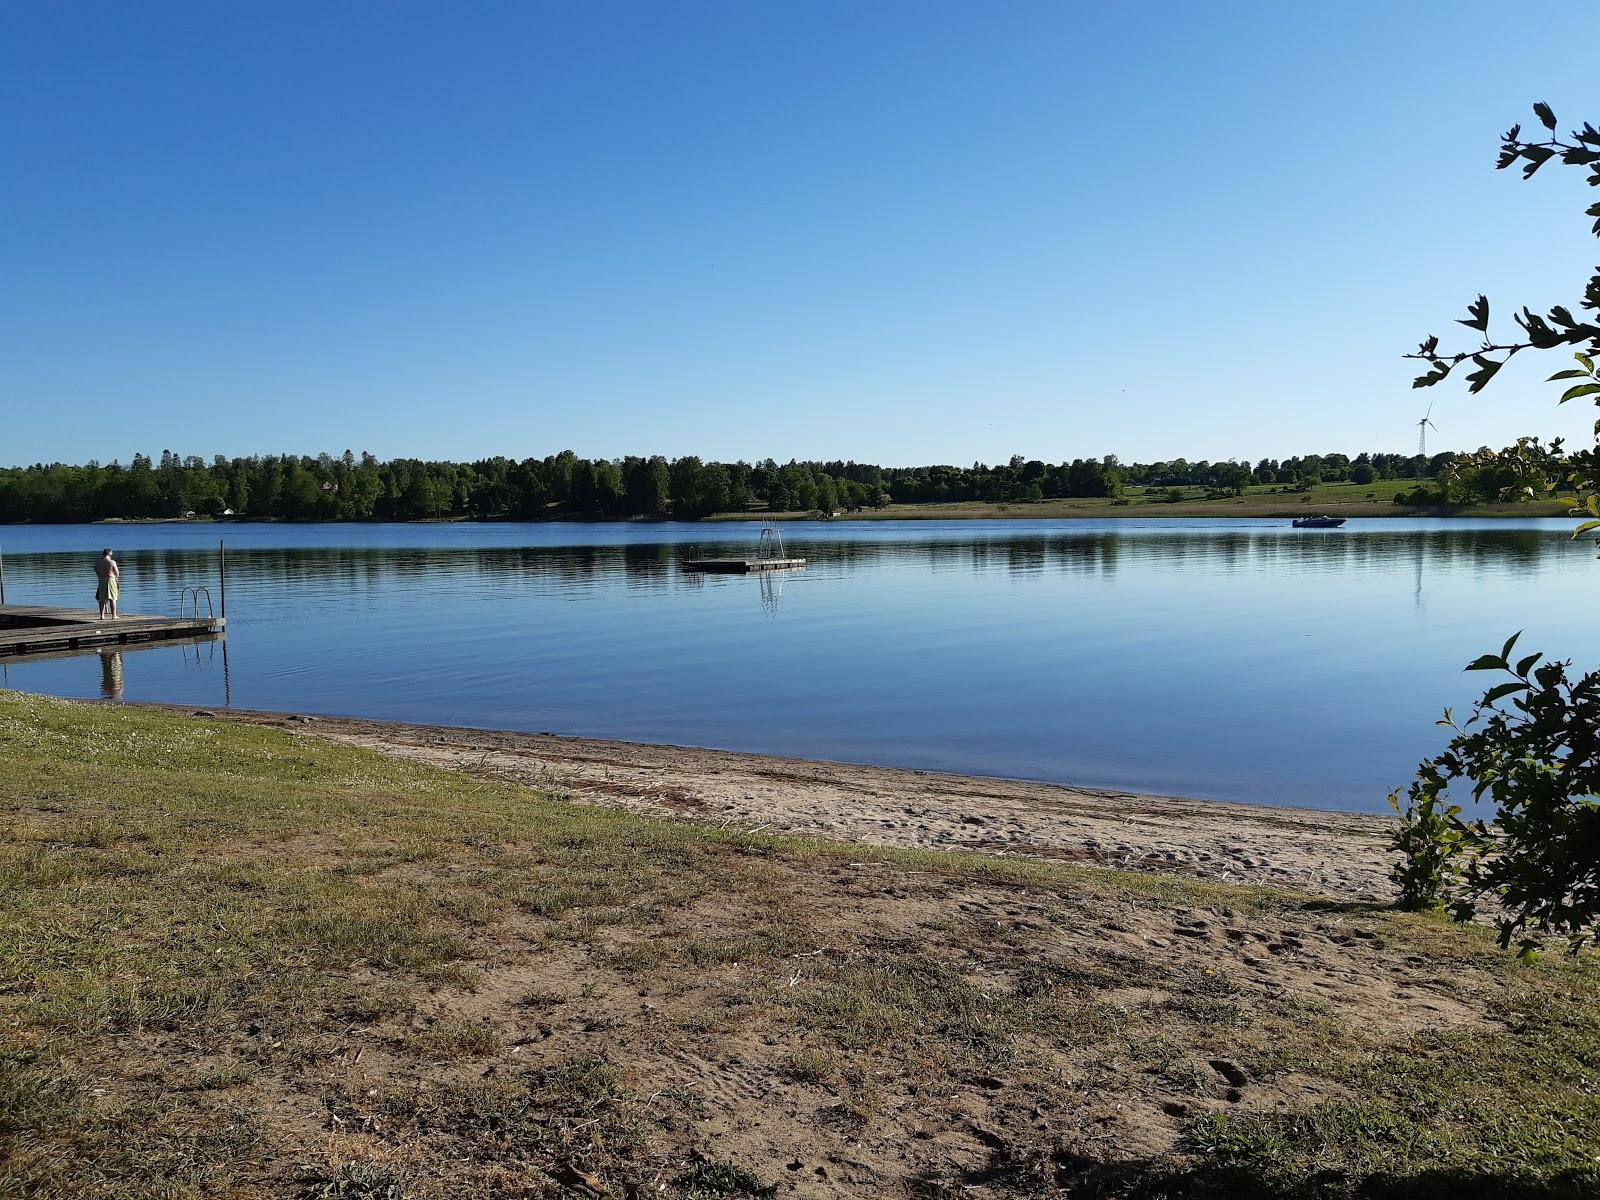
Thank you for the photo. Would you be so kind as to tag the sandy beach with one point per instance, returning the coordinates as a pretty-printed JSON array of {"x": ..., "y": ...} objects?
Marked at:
[{"x": 1334, "y": 854}]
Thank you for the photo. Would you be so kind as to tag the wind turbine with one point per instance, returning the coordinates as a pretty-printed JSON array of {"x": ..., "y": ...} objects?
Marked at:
[{"x": 1422, "y": 431}]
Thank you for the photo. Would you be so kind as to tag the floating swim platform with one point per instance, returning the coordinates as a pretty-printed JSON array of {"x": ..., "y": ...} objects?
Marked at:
[
  {"x": 770, "y": 556},
  {"x": 739, "y": 566}
]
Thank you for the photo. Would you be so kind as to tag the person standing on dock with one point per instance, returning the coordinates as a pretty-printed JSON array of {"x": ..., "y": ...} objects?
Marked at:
[{"x": 110, "y": 575}]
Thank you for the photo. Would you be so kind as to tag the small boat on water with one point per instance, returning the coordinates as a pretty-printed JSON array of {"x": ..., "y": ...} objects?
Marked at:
[{"x": 1318, "y": 522}]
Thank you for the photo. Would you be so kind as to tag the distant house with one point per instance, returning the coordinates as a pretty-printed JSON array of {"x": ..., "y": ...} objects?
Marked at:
[{"x": 227, "y": 512}]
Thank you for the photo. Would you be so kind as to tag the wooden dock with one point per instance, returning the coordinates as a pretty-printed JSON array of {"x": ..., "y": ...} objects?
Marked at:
[
  {"x": 31, "y": 629},
  {"x": 740, "y": 566}
]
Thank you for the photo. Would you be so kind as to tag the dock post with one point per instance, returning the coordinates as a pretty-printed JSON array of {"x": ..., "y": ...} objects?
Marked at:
[
  {"x": 2, "y": 577},
  {"x": 222, "y": 572}
]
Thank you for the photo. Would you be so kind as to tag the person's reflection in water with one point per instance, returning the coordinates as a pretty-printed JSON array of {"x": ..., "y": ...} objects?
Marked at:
[{"x": 111, "y": 674}]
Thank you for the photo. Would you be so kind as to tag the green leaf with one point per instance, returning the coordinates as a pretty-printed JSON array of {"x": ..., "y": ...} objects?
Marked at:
[
  {"x": 1582, "y": 389},
  {"x": 1526, "y": 664},
  {"x": 1569, "y": 373},
  {"x": 1501, "y": 691},
  {"x": 1488, "y": 662},
  {"x": 1547, "y": 118},
  {"x": 1585, "y": 527},
  {"x": 1505, "y": 651},
  {"x": 1588, "y": 363}
]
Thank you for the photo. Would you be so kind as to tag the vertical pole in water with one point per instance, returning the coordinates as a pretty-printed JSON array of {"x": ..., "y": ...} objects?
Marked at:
[
  {"x": 2, "y": 578},
  {"x": 222, "y": 571}
]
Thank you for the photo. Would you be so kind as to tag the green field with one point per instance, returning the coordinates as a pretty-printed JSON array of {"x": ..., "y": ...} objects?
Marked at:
[
  {"x": 1375, "y": 499},
  {"x": 242, "y": 962}
]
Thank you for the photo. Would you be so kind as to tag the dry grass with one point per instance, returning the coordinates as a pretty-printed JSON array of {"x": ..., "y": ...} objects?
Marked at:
[{"x": 238, "y": 962}]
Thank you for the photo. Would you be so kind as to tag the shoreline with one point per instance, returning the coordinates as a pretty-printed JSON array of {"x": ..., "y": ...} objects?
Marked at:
[
  {"x": 976, "y": 511},
  {"x": 1339, "y": 855}
]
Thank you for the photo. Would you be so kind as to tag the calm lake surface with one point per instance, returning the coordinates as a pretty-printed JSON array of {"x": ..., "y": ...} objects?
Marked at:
[{"x": 1232, "y": 659}]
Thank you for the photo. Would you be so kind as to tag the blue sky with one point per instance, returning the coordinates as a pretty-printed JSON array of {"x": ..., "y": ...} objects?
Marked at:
[{"x": 896, "y": 232}]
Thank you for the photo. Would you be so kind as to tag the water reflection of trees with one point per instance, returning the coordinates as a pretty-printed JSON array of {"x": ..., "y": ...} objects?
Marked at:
[{"x": 154, "y": 577}]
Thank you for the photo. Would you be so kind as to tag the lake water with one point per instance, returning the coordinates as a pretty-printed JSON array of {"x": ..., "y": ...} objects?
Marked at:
[{"x": 1234, "y": 659}]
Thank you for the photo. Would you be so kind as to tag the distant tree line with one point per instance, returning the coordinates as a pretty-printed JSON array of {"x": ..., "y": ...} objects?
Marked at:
[
  {"x": 360, "y": 488},
  {"x": 1023, "y": 480}
]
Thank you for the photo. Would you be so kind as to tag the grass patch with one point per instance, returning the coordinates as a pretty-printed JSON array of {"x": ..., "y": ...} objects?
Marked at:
[
  {"x": 1204, "y": 1010},
  {"x": 809, "y": 1066},
  {"x": 460, "y": 1039},
  {"x": 355, "y": 1181},
  {"x": 224, "y": 944},
  {"x": 709, "y": 1180},
  {"x": 913, "y": 1001},
  {"x": 1375, "y": 499}
]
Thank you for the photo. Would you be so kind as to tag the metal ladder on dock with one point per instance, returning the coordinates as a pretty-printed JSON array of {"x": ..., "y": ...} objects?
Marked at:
[
  {"x": 191, "y": 596},
  {"x": 771, "y": 545}
]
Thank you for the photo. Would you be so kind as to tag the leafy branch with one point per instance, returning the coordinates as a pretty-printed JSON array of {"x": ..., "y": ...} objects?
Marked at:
[
  {"x": 1531, "y": 749},
  {"x": 1558, "y": 327}
]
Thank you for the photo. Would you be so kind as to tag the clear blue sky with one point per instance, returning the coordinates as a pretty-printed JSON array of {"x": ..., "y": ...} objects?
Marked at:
[{"x": 898, "y": 232}]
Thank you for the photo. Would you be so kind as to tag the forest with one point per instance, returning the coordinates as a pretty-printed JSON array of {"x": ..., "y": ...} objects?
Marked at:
[{"x": 349, "y": 487}]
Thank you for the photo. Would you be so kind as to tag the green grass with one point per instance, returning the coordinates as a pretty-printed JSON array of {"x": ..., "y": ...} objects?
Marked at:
[
  {"x": 709, "y": 1180},
  {"x": 1374, "y": 499},
  {"x": 236, "y": 962}
]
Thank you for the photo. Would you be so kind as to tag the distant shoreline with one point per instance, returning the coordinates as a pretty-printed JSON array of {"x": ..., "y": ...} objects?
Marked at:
[{"x": 1048, "y": 510}]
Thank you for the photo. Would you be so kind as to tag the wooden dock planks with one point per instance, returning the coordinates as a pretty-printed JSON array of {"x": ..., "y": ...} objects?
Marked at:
[{"x": 35, "y": 629}]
